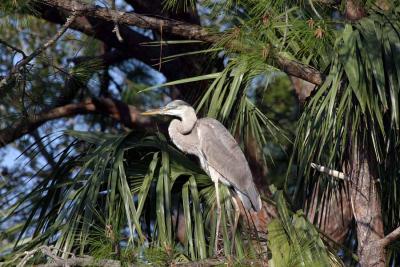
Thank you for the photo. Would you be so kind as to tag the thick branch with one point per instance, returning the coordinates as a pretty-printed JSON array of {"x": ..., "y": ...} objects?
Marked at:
[
  {"x": 299, "y": 70},
  {"x": 186, "y": 30},
  {"x": 390, "y": 238},
  {"x": 119, "y": 111},
  {"x": 101, "y": 29}
]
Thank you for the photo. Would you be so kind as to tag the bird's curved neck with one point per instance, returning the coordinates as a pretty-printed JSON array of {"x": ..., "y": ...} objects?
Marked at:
[{"x": 186, "y": 124}]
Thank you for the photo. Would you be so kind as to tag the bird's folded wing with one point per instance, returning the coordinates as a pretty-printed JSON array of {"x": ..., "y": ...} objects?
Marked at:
[{"x": 224, "y": 154}]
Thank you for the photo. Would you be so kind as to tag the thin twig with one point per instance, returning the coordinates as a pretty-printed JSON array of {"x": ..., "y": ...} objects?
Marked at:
[
  {"x": 16, "y": 49},
  {"x": 39, "y": 50}
]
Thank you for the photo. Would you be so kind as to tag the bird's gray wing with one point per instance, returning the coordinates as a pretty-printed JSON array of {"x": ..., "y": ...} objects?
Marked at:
[{"x": 224, "y": 155}]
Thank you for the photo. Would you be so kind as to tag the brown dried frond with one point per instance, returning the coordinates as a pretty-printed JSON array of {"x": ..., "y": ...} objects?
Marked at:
[{"x": 319, "y": 33}]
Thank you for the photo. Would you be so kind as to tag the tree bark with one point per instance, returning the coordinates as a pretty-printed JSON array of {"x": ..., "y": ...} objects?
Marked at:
[
  {"x": 366, "y": 207},
  {"x": 94, "y": 15}
]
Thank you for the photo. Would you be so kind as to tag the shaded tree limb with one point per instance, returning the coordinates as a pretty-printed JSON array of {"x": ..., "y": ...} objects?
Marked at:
[
  {"x": 178, "y": 28},
  {"x": 101, "y": 29},
  {"x": 127, "y": 115},
  {"x": 198, "y": 63},
  {"x": 390, "y": 238},
  {"x": 299, "y": 70}
]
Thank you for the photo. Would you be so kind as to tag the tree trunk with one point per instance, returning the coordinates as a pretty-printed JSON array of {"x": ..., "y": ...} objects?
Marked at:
[{"x": 366, "y": 206}]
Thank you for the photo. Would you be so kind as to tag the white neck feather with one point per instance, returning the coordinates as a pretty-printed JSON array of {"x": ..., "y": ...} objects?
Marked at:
[{"x": 187, "y": 122}]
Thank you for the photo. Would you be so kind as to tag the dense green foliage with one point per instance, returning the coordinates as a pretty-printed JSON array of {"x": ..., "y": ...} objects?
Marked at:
[{"x": 121, "y": 194}]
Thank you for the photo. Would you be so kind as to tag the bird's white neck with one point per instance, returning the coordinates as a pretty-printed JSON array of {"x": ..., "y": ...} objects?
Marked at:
[{"x": 186, "y": 122}]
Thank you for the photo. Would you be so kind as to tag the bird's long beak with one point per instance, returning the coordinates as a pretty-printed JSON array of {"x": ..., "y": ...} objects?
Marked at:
[{"x": 152, "y": 112}]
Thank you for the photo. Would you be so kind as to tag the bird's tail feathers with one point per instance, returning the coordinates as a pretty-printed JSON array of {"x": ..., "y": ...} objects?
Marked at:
[{"x": 251, "y": 199}]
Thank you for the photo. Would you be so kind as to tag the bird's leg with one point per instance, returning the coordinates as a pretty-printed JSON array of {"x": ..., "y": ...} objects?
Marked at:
[
  {"x": 218, "y": 217},
  {"x": 235, "y": 223}
]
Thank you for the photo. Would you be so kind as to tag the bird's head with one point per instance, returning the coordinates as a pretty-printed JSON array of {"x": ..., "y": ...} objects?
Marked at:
[{"x": 177, "y": 108}]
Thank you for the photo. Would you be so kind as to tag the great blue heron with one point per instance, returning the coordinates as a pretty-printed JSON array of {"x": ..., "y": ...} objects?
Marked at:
[{"x": 219, "y": 154}]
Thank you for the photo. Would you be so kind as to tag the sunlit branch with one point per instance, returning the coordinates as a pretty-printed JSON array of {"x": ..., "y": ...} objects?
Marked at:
[
  {"x": 333, "y": 173},
  {"x": 183, "y": 29}
]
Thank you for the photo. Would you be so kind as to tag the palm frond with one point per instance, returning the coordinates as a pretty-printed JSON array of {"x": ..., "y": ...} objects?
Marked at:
[
  {"x": 359, "y": 102},
  {"x": 128, "y": 188},
  {"x": 294, "y": 241}
]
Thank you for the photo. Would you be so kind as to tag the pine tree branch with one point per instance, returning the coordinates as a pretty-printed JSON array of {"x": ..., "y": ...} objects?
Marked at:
[
  {"x": 127, "y": 115},
  {"x": 189, "y": 31},
  {"x": 178, "y": 28},
  {"x": 299, "y": 70},
  {"x": 129, "y": 48}
]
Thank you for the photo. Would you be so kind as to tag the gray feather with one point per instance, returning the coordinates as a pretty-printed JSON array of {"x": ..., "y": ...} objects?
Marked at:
[
  {"x": 224, "y": 154},
  {"x": 220, "y": 155}
]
